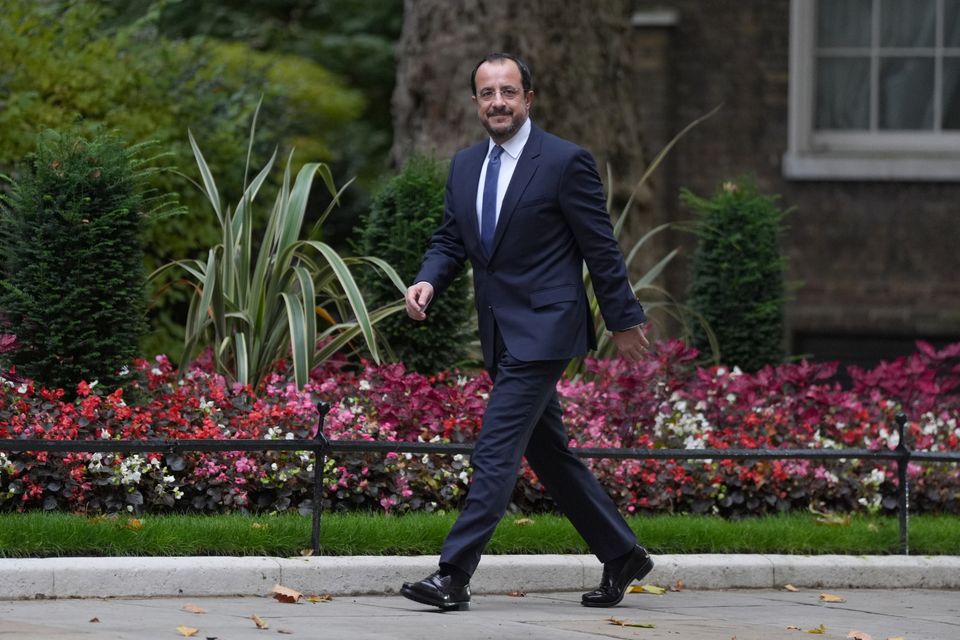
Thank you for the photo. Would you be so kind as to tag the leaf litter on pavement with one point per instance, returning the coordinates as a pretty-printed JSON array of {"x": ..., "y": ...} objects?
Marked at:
[{"x": 623, "y": 623}]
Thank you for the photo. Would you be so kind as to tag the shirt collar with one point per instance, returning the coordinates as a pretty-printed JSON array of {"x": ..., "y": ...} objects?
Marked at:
[{"x": 514, "y": 145}]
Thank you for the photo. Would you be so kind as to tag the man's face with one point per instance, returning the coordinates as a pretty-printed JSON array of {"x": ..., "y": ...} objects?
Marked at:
[{"x": 502, "y": 106}]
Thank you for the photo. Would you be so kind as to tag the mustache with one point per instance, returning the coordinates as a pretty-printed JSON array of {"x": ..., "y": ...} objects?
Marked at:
[{"x": 502, "y": 111}]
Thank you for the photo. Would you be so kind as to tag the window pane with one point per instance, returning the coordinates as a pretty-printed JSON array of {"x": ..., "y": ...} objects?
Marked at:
[
  {"x": 906, "y": 93},
  {"x": 843, "y": 23},
  {"x": 908, "y": 23},
  {"x": 951, "y": 93},
  {"x": 951, "y": 23},
  {"x": 843, "y": 93}
]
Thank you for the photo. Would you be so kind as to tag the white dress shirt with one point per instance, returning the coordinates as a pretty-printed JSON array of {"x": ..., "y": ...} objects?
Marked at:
[{"x": 508, "y": 162}]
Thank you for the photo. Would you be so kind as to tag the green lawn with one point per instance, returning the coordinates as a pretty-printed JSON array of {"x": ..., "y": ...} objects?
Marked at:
[{"x": 55, "y": 534}]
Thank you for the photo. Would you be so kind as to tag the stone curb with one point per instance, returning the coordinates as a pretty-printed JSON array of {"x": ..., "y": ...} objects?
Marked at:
[{"x": 256, "y": 576}]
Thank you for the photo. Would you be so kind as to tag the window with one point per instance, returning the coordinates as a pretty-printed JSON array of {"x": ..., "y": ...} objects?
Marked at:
[{"x": 874, "y": 90}]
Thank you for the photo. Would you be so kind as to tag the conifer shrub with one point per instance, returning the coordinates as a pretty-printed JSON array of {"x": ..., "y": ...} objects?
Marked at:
[
  {"x": 73, "y": 287},
  {"x": 737, "y": 274},
  {"x": 403, "y": 216}
]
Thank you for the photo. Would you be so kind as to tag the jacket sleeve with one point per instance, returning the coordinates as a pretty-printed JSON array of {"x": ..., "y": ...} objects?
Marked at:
[
  {"x": 445, "y": 257},
  {"x": 584, "y": 207}
]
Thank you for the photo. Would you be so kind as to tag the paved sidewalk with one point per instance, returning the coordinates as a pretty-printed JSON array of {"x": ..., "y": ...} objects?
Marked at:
[{"x": 685, "y": 615}]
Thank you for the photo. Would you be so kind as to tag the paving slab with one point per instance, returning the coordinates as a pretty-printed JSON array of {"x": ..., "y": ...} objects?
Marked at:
[{"x": 756, "y": 614}]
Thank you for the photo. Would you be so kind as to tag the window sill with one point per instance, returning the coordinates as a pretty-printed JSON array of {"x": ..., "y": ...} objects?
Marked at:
[{"x": 836, "y": 166}]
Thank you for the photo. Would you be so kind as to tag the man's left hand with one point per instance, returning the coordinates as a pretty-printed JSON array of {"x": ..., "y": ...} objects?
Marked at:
[{"x": 632, "y": 343}]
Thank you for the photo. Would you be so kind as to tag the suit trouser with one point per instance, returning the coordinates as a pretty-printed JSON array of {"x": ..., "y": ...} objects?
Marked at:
[{"x": 524, "y": 419}]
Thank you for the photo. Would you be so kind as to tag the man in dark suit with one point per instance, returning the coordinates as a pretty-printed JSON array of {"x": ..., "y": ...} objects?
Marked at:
[{"x": 527, "y": 209}]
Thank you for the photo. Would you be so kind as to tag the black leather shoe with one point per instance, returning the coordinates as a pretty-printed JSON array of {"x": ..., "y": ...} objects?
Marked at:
[
  {"x": 614, "y": 582},
  {"x": 438, "y": 591}
]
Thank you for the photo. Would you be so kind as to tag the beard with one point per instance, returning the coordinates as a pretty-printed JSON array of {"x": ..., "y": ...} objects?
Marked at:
[{"x": 506, "y": 130}]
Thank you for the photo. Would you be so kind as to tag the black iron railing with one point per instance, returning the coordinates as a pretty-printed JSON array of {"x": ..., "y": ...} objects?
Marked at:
[{"x": 321, "y": 446}]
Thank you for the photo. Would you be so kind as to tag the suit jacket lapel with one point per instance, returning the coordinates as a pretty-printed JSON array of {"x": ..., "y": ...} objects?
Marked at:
[{"x": 526, "y": 167}]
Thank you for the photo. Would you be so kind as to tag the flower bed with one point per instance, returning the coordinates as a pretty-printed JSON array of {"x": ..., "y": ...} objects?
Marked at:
[{"x": 663, "y": 401}]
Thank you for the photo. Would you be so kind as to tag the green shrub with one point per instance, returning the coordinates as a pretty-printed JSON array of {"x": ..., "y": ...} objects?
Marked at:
[
  {"x": 737, "y": 280},
  {"x": 68, "y": 63},
  {"x": 74, "y": 283},
  {"x": 402, "y": 218}
]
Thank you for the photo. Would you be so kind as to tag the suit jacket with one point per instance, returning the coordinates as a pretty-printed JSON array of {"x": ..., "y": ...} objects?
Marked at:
[{"x": 552, "y": 220}]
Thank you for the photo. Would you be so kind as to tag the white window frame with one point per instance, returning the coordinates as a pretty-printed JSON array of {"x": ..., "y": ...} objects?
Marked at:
[{"x": 826, "y": 155}]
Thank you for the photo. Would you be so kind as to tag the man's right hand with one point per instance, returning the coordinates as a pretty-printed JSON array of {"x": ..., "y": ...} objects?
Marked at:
[{"x": 418, "y": 297}]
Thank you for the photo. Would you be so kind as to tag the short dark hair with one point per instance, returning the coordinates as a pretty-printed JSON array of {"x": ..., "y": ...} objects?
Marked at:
[{"x": 525, "y": 77}]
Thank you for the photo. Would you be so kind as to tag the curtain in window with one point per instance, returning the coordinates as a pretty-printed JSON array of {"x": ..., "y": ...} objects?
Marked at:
[{"x": 905, "y": 72}]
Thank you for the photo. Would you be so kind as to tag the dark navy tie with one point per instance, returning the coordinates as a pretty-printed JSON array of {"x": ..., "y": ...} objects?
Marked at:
[{"x": 488, "y": 214}]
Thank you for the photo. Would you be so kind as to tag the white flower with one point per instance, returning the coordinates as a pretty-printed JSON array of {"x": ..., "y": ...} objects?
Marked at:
[
  {"x": 731, "y": 398},
  {"x": 289, "y": 435},
  {"x": 22, "y": 388},
  {"x": 876, "y": 477},
  {"x": 104, "y": 434},
  {"x": 364, "y": 385}
]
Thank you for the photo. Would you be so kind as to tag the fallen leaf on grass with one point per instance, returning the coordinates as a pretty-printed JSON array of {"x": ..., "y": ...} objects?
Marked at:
[
  {"x": 187, "y": 632},
  {"x": 517, "y": 594},
  {"x": 624, "y": 623},
  {"x": 859, "y": 635},
  {"x": 831, "y": 519},
  {"x": 323, "y": 597},
  {"x": 790, "y": 588},
  {"x": 257, "y": 620},
  {"x": 647, "y": 588},
  {"x": 821, "y": 629},
  {"x": 257, "y": 525},
  {"x": 677, "y": 585},
  {"x": 829, "y": 597},
  {"x": 192, "y": 608},
  {"x": 522, "y": 522},
  {"x": 134, "y": 524},
  {"x": 286, "y": 594},
  {"x": 306, "y": 553},
  {"x": 94, "y": 619}
]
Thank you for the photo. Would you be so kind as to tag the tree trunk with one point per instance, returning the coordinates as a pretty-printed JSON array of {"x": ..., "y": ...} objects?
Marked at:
[
  {"x": 596, "y": 80},
  {"x": 584, "y": 57}
]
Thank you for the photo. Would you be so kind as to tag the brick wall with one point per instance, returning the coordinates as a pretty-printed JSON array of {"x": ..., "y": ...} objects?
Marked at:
[{"x": 877, "y": 262}]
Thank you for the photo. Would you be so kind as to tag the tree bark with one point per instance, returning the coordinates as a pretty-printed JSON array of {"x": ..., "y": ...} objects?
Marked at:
[{"x": 584, "y": 58}]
